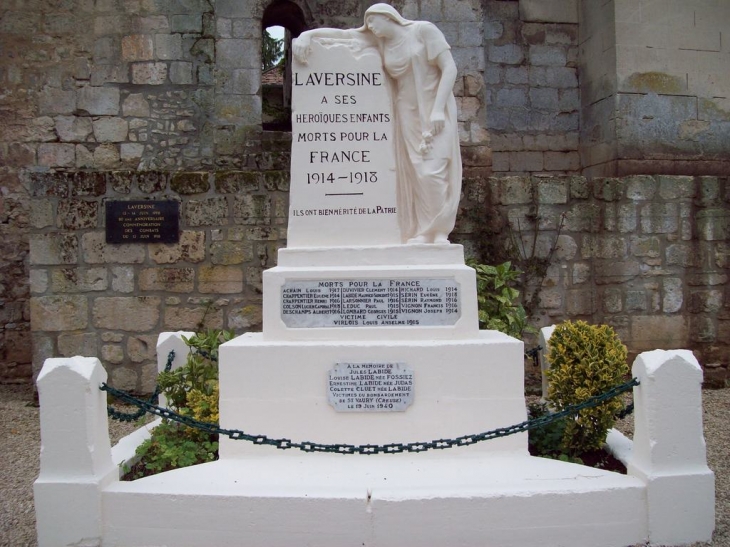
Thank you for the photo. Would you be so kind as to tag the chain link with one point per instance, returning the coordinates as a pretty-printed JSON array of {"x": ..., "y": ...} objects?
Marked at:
[
  {"x": 154, "y": 399},
  {"x": 367, "y": 449}
]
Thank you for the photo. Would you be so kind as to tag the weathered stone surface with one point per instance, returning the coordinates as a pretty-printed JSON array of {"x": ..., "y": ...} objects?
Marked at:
[
  {"x": 196, "y": 319},
  {"x": 123, "y": 378},
  {"x": 38, "y": 281},
  {"x": 580, "y": 302},
  {"x": 99, "y": 101},
  {"x": 673, "y": 295},
  {"x": 77, "y": 214},
  {"x": 135, "y": 314},
  {"x": 168, "y": 46},
  {"x": 245, "y": 318},
  {"x": 96, "y": 251},
  {"x": 659, "y": 218},
  {"x": 181, "y": 73},
  {"x": 220, "y": 279},
  {"x": 41, "y": 213},
  {"x": 149, "y": 73},
  {"x": 106, "y": 156},
  {"x": 122, "y": 279},
  {"x": 82, "y": 280},
  {"x": 142, "y": 348},
  {"x": 52, "y": 249},
  {"x": 70, "y": 345},
  {"x": 136, "y": 105},
  {"x": 649, "y": 332},
  {"x": 56, "y": 155},
  {"x": 112, "y": 354},
  {"x": 190, "y": 183},
  {"x": 167, "y": 279},
  {"x": 233, "y": 182},
  {"x": 59, "y": 313},
  {"x": 110, "y": 129},
  {"x": 206, "y": 212},
  {"x": 137, "y": 47},
  {"x": 190, "y": 248},
  {"x": 640, "y": 187},
  {"x": 56, "y": 101},
  {"x": 713, "y": 224},
  {"x": 677, "y": 187},
  {"x": 604, "y": 247},
  {"x": 73, "y": 129},
  {"x": 230, "y": 252}
]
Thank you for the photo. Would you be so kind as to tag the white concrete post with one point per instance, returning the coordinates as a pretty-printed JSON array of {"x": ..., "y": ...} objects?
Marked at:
[
  {"x": 76, "y": 461},
  {"x": 545, "y": 334},
  {"x": 669, "y": 452},
  {"x": 172, "y": 341}
]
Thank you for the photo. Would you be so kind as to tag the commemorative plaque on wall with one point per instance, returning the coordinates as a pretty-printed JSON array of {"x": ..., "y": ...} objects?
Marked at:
[{"x": 142, "y": 221}]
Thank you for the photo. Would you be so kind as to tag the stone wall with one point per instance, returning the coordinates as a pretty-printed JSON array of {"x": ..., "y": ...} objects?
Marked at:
[
  {"x": 531, "y": 77},
  {"x": 655, "y": 87},
  {"x": 647, "y": 255},
  {"x": 157, "y": 87},
  {"x": 111, "y": 301}
]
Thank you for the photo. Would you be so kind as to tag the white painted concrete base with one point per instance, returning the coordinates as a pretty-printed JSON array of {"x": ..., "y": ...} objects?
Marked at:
[
  {"x": 378, "y": 501},
  {"x": 465, "y": 497}
]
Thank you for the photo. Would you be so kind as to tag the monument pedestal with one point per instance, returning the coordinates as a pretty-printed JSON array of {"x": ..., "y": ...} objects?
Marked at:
[{"x": 407, "y": 381}]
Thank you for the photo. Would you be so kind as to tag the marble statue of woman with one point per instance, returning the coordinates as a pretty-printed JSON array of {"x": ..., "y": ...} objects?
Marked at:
[{"x": 418, "y": 60}]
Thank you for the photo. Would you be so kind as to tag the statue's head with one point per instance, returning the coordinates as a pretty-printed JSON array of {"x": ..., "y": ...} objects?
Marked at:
[{"x": 387, "y": 11}]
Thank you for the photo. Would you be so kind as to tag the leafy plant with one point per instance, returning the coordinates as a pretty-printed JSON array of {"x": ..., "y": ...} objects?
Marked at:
[
  {"x": 191, "y": 390},
  {"x": 585, "y": 361},
  {"x": 498, "y": 299},
  {"x": 547, "y": 441}
]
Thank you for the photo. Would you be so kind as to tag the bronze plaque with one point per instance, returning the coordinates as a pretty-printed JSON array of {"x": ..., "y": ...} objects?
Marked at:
[{"x": 142, "y": 221}]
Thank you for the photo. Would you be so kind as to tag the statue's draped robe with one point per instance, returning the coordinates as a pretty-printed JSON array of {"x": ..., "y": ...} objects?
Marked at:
[{"x": 428, "y": 168}]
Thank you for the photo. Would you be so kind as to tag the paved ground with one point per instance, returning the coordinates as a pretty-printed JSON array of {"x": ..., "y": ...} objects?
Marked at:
[{"x": 20, "y": 447}]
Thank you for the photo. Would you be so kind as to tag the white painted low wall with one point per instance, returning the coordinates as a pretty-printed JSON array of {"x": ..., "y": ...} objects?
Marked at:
[{"x": 668, "y": 497}]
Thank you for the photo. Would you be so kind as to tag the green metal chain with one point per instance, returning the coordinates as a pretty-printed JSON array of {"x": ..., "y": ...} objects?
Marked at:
[
  {"x": 367, "y": 449},
  {"x": 134, "y": 416}
]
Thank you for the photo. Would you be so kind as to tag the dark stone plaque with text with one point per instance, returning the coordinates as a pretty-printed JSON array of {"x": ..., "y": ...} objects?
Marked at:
[{"x": 142, "y": 221}]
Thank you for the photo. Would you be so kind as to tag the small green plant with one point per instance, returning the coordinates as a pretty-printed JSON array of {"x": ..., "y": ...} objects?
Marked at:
[
  {"x": 585, "y": 361},
  {"x": 547, "y": 441},
  {"x": 498, "y": 299},
  {"x": 191, "y": 390}
]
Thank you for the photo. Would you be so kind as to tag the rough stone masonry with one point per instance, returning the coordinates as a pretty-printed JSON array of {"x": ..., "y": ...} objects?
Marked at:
[{"x": 138, "y": 99}]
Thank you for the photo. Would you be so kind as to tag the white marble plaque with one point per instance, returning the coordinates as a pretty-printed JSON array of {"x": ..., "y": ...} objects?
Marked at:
[
  {"x": 370, "y": 387},
  {"x": 370, "y": 302},
  {"x": 343, "y": 184}
]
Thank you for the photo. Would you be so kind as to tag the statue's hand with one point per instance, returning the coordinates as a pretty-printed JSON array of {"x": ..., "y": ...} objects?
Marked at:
[
  {"x": 301, "y": 47},
  {"x": 438, "y": 120}
]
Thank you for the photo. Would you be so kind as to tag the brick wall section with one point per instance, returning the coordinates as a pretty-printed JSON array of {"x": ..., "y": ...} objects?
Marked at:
[{"x": 532, "y": 94}]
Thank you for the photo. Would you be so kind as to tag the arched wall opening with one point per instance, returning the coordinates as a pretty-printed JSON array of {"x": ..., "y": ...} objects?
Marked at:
[{"x": 276, "y": 81}]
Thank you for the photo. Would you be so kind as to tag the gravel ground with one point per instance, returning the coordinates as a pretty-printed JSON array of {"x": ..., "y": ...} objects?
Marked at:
[{"x": 20, "y": 447}]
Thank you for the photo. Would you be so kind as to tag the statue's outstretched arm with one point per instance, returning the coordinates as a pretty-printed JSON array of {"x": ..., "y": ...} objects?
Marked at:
[{"x": 302, "y": 44}]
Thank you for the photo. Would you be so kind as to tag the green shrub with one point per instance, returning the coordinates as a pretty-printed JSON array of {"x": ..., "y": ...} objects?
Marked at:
[
  {"x": 585, "y": 361},
  {"x": 191, "y": 390},
  {"x": 498, "y": 299}
]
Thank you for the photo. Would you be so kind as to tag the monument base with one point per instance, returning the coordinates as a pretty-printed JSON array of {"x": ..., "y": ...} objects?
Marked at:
[
  {"x": 460, "y": 387},
  {"x": 459, "y": 498}
]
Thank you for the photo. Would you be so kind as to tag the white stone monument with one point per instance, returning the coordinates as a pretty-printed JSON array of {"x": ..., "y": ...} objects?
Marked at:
[
  {"x": 370, "y": 332},
  {"x": 370, "y": 338}
]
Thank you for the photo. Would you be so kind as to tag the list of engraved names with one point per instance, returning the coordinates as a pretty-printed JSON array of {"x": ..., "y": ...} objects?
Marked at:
[{"x": 370, "y": 302}]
